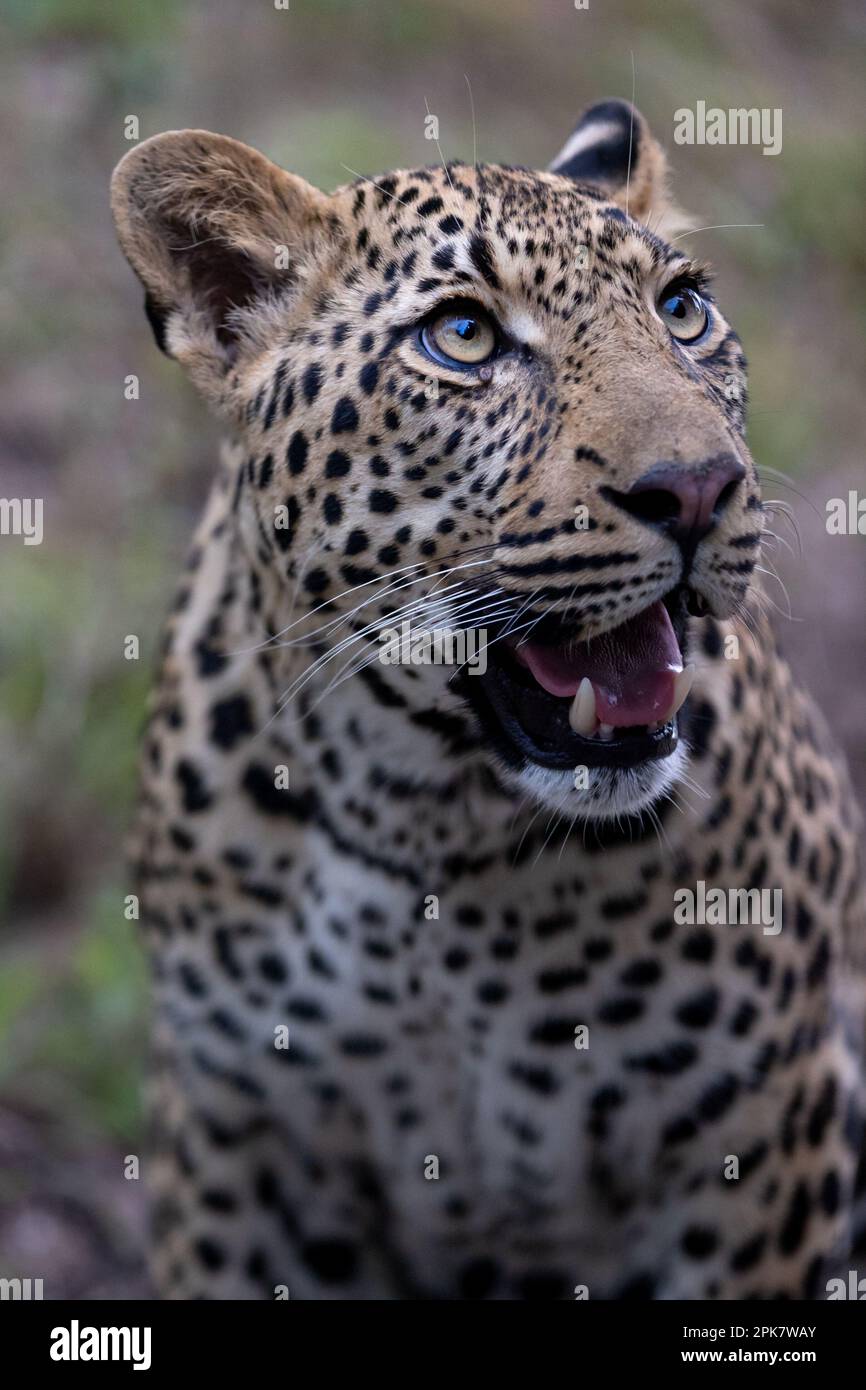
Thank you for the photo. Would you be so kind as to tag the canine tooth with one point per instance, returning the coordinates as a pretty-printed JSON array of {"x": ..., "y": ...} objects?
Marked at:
[
  {"x": 683, "y": 683},
  {"x": 605, "y": 731},
  {"x": 581, "y": 716}
]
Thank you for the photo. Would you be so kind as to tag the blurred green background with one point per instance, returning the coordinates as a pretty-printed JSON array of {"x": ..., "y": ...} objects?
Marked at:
[{"x": 324, "y": 87}]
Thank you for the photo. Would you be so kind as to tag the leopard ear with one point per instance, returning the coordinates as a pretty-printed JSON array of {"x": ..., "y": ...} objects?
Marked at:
[
  {"x": 611, "y": 149},
  {"x": 211, "y": 227}
]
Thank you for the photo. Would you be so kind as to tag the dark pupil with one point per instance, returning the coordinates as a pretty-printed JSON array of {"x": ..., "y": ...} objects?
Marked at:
[
  {"x": 465, "y": 328},
  {"x": 678, "y": 306}
]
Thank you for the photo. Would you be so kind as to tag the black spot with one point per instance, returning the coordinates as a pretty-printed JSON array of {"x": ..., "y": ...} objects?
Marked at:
[
  {"x": 700, "y": 945},
  {"x": 266, "y": 470},
  {"x": 819, "y": 964},
  {"x": 257, "y": 1268},
  {"x": 266, "y": 1188},
  {"x": 231, "y": 720},
  {"x": 481, "y": 257},
  {"x": 316, "y": 581},
  {"x": 796, "y": 1221},
  {"x": 492, "y": 992},
  {"x": 258, "y": 783},
  {"x": 311, "y": 382},
  {"x": 561, "y": 977},
  {"x": 699, "y": 1242},
  {"x": 597, "y": 948},
  {"x": 712, "y": 640},
  {"x": 358, "y": 540},
  {"x": 296, "y": 455},
  {"x": 718, "y": 1098},
  {"x": 467, "y": 915},
  {"x": 553, "y": 1031},
  {"x": 225, "y": 1023},
  {"x": 619, "y": 1011},
  {"x": 584, "y": 454},
  {"x": 216, "y": 1199},
  {"x": 803, "y": 922},
  {"x": 700, "y": 1011},
  {"x": 607, "y": 1098},
  {"x": 822, "y": 1113},
  {"x": 641, "y": 972},
  {"x": 382, "y": 501},
  {"x": 749, "y": 1254},
  {"x": 191, "y": 980},
  {"x": 615, "y": 909},
  {"x": 211, "y": 1254},
  {"x": 830, "y": 1192},
  {"x": 194, "y": 794},
  {"x": 679, "y": 1131},
  {"x": 368, "y": 378},
  {"x": 345, "y": 416},
  {"x": 338, "y": 464},
  {"x": 181, "y": 838},
  {"x": 743, "y": 1019},
  {"x": 752, "y": 1160},
  {"x": 272, "y": 967},
  {"x": 210, "y": 659},
  {"x": 308, "y": 1010},
  {"x": 536, "y": 1078},
  {"x": 667, "y": 1061}
]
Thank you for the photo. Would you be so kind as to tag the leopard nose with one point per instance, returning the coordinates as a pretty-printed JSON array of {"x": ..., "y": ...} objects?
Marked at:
[{"x": 686, "y": 500}]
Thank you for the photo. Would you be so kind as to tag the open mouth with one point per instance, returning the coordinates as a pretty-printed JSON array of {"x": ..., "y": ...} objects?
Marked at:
[{"x": 610, "y": 701}]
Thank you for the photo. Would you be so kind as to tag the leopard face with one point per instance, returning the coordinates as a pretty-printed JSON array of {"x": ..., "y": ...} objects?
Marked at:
[{"x": 478, "y": 400}]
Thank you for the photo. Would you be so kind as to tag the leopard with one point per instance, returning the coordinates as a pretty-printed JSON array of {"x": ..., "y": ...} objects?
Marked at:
[{"x": 500, "y": 887}]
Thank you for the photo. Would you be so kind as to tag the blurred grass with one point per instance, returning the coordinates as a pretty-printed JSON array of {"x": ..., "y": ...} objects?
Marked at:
[
  {"x": 72, "y": 1023},
  {"x": 71, "y": 705},
  {"x": 72, "y": 982},
  {"x": 87, "y": 20},
  {"x": 325, "y": 85}
]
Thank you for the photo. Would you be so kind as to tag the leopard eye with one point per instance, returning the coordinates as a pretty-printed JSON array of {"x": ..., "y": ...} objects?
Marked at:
[
  {"x": 463, "y": 337},
  {"x": 684, "y": 312}
]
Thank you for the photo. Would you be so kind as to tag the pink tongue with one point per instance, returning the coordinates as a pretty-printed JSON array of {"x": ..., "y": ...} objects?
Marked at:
[{"x": 632, "y": 668}]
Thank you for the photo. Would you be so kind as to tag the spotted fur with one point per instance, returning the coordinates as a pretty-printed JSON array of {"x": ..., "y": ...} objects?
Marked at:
[{"x": 430, "y": 919}]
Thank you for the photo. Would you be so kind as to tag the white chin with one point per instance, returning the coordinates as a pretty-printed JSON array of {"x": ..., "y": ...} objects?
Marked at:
[{"x": 610, "y": 792}]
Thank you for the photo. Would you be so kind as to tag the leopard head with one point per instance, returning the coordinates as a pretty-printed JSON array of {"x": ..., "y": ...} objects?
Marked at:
[{"x": 482, "y": 414}]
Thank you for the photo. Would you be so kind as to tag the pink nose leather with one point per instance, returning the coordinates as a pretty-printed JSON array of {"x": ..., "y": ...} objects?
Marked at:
[{"x": 687, "y": 498}]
